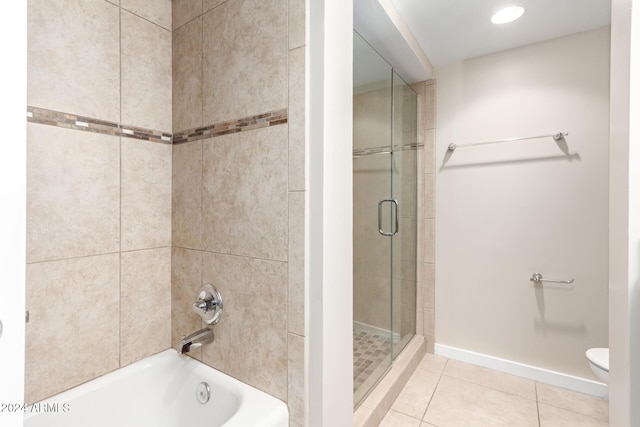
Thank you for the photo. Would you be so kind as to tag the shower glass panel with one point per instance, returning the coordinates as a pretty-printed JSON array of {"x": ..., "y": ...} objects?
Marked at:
[{"x": 384, "y": 210}]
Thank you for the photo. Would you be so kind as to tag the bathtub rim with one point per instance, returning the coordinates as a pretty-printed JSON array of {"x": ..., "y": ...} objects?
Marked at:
[{"x": 250, "y": 399}]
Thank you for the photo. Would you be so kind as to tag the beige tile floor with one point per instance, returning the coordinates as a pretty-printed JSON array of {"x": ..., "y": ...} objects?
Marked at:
[{"x": 447, "y": 393}]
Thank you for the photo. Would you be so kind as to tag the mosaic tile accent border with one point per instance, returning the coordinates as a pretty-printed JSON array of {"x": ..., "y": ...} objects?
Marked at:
[
  {"x": 271, "y": 118},
  {"x": 88, "y": 124}
]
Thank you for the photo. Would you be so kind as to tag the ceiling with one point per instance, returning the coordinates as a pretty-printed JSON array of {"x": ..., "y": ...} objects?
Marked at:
[{"x": 448, "y": 31}]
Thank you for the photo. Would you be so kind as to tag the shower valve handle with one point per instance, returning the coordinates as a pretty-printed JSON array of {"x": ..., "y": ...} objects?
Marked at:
[{"x": 209, "y": 304}]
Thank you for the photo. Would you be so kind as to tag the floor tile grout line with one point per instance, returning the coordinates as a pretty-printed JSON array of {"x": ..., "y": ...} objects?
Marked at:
[
  {"x": 116, "y": 252},
  {"x": 420, "y": 420},
  {"x": 227, "y": 254},
  {"x": 537, "y": 399},
  {"x": 535, "y": 387},
  {"x": 424, "y": 414},
  {"x": 488, "y": 387},
  {"x": 574, "y": 412},
  {"x": 564, "y": 408}
]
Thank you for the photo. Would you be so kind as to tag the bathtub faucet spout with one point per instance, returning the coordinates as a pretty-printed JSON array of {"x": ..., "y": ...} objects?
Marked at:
[{"x": 196, "y": 339}]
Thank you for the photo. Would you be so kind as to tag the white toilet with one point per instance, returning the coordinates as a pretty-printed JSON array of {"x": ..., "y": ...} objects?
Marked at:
[{"x": 599, "y": 362}]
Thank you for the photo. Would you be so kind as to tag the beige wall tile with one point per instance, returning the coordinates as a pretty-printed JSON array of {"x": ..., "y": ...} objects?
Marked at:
[
  {"x": 145, "y": 304},
  {"x": 420, "y": 90},
  {"x": 245, "y": 193},
  {"x": 429, "y": 195},
  {"x": 430, "y": 105},
  {"x": 404, "y": 250},
  {"x": 419, "y": 312},
  {"x": 254, "y": 323},
  {"x": 73, "y": 193},
  {"x": 186, "y": 280},
  {"x": 296, "y": 395},
  {"x": 429, "y": 285},
  {"x": 420, "y": 273},
  {"x": 431, "y": 342},
  {"x": 297, "y": 292},
  {"x": 426, "y": 209},
  {"x": 372, "y": 182},
  {"x": 372, "y": 118},
  {"x": 187, "y": 76},
  {"x": 245, "y": 59},
  {"x": 405, "y": 319},
  {"x": 74, "y": 57},
  {"x": 146, "y": 194},
  {"x": 72, "y": 334},
  {"x": 359, "y": 295},
  {"x": 146, "y": 73},
  {"x": 406, "y": 182},
  {"x": 420, "y": 183},
  {"x": 156, "y": 11},
  {"x": 297, "y": 143},
  {"x": 373, "y": 301},
  {"x": 297, "y": 24},
  {"x": 184, "y": 11},
  {"x": 207, "y": 5},
  {"x": 429, "y": 240},
  {"x": 187, "y": 195},
  {"x": 429, "y": 322},
  {"x": 430, "y": 151}
]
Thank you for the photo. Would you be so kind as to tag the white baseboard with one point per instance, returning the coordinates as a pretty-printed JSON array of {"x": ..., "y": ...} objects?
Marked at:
[{"x": 558, "y": 379}]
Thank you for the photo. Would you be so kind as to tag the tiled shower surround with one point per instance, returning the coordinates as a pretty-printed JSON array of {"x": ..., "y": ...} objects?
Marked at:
[
  {"x": 426, "y": 312},
  {"x": 166, "y": 150}
]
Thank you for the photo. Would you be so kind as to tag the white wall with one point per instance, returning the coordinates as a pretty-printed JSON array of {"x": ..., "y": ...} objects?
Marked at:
[
  {"x": 506, "y": 211},
  {"x": 330, "y": 255},
  {"x": 13, "y": 189},
  {"x": 624, "y": 241}
]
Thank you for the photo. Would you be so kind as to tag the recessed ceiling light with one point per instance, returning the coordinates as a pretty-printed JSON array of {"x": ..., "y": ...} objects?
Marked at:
[{"x": 508, "y": 14}]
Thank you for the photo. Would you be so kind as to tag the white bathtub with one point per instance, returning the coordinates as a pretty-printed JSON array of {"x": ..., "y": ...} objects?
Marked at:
[{"x": 160, "y": 391}]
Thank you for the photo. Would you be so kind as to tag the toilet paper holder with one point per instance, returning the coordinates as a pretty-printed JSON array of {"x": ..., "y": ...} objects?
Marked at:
[{"x": 537, "y": 279}]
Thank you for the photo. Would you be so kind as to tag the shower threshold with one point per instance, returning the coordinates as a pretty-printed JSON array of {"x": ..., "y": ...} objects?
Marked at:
[{"x": 372, "y": 409}]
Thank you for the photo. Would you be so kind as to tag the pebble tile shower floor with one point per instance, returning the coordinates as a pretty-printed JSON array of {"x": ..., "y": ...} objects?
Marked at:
[{"x": 369, "y": 350}]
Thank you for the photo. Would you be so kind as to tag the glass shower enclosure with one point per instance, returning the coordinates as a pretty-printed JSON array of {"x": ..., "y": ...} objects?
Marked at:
[{"x": 384, "y": 216}]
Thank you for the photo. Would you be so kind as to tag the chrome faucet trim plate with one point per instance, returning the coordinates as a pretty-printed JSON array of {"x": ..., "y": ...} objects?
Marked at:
[{"x": 209, "y": 304}]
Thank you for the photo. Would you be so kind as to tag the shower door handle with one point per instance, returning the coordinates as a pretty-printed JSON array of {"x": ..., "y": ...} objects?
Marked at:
[{"x": 395, "y": 204}]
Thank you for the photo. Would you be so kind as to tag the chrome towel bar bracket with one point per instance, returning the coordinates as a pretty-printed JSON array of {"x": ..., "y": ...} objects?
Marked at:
[{"x": 537, "y": 279}]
